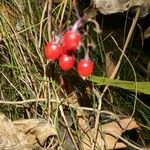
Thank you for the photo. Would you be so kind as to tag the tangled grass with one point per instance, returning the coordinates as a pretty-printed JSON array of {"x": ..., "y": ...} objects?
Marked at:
[{"x": 31, "y": 87}]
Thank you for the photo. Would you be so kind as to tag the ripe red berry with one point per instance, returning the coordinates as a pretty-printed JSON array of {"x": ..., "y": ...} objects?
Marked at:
[
  {"x": 66, "y": 62},
  {"x": 52, "y": 50},
  {"x": 85, "y": 67},
  {"x": 65, "y": 51},
  {"x": 71, "y": 40}
]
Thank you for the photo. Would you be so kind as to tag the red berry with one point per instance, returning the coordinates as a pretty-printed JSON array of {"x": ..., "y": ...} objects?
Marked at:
[
  {"x": 66, "y": 62},
  {"x": 71, "y": 40},
  {"x": 85, "y": 67},
  {"x": 52, "y": 50},
  {"x": 68, "y": 52}
]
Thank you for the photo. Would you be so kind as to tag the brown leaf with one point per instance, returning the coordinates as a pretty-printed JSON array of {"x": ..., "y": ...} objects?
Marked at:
[
  {"x": 109, "y": 140},
  {"x": 119, "y": 127},
  {"x": 10, "y": 138},
  {"x": 36, "y": 130}
]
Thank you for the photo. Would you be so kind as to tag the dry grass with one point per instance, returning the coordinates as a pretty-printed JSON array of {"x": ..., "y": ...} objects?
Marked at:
[{"x": 32, "y": 88}]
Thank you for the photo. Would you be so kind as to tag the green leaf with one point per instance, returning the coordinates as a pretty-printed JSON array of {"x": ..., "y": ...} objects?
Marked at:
[{"x": 143, "y": 87}]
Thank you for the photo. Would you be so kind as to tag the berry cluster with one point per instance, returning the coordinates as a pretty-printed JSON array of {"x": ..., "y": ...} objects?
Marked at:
[{"x": 63, "y": 50}]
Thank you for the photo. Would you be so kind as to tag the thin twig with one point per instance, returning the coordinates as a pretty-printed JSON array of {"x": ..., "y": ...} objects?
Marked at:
[
  {"x": 24, "y": 101},
  {"x": 41, "y": 23},
  {"x": 136, "y": 92},
  {"x": 50, "y": 3},
  {"x": 95, "y": 110},
  {"x": 113, "y": 76},
  {"x": 67, "y": 125},
  {"x": 64, "y": 118},
  {"x": 126, "y": 44},
  {"x": 63, "y": 12}
]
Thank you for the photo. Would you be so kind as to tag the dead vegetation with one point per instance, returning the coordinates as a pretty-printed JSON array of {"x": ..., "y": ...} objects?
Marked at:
[{"x": 47, "y": 109}]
